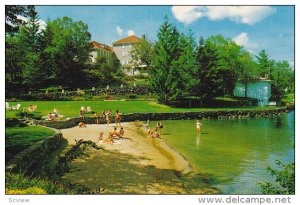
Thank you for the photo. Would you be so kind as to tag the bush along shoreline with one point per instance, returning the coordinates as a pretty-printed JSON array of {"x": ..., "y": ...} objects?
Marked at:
[{"x": 131, "y": 117}]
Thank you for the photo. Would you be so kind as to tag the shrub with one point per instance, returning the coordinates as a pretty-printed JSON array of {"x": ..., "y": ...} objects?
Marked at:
[
  {"x": 132, "y": 96},
  {"x": 19, "y": 183},
  {"x": 78, "y": 98},
  {"x": 30, "y": 190},
  {"x": 33, "y": 115},
  {"x": 14, "y": 122}
]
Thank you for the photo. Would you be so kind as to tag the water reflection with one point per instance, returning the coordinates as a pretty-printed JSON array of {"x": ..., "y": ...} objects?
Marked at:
[{"x": 198, "y": 142}]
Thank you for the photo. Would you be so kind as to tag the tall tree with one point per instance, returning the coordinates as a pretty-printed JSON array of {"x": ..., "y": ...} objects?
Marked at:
[
  {"x": 30, "y": 37},
  {"x": 246, "y": 69},
  {"x": 13, "y": 17},
  {"x": 282, "y": 76},
  {"x": 187, "y": 63},
  {"x": 208, "y": 60},
  {"x": 165, "y": 76},
  {"x": 265, "y": 65},
  {"x": 67, "y": 50}
]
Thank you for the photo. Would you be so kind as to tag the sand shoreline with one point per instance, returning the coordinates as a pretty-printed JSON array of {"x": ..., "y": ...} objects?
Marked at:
[{"x": 141, "y": 165}]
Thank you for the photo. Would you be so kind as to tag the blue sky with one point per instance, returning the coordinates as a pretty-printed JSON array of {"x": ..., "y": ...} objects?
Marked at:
[{"x": 255, "y": 27}]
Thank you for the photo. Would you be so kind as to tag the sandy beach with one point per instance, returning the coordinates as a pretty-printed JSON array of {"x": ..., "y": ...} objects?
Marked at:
[{"x": 139, "y": 165}]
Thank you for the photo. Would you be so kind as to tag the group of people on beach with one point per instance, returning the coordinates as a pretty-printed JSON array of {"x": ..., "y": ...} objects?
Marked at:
[
  {"x": 112, "y": 135},
  {"x": 156, "y": 132},
  {"x": 106, "y": 114}
]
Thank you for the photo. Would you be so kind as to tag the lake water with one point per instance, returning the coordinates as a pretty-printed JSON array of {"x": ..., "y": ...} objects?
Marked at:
[{"x": 234, "y": 154}]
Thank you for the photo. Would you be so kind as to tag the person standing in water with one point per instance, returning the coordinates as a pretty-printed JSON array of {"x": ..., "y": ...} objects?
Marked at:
[{"x": 198, "y": 125}]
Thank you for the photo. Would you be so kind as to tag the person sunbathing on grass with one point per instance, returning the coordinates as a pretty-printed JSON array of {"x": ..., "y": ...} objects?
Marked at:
[{"x": 81, "y": 125}]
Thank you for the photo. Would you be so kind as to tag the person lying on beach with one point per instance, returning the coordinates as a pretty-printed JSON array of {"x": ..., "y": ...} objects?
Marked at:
[
  {"x": 108, "y": 140},
  {"x": 81, "y": 125}
]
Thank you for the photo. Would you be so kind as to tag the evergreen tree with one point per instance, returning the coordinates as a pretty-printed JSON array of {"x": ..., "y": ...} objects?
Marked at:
[
  {"x": 165, "y": 76},
  {"x": 265, "y": 65},
  {"x": 30, "y": 37},
  {"x": 208, "y": 74}
]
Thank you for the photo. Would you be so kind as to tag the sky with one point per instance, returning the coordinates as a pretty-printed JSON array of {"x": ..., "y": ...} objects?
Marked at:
[{"x": 254, "y": 27}]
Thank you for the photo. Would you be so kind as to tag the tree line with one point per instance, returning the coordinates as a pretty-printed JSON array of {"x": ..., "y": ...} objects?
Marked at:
[
  {"x": 57, "y": 55},
  {"x": 180, "y": 67}
]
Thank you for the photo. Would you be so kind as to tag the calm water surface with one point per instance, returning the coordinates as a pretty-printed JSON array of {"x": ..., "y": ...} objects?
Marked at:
[{"x": 234, "y": 153}]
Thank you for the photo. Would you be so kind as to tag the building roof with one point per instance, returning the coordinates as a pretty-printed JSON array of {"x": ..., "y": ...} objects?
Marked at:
[
  {"x": 129, "y": 39},
  {"x": 98, "y": 45}
]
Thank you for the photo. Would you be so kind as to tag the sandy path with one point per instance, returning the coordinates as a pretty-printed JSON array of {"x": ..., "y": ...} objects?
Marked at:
[{"x": 139, "y": 165}]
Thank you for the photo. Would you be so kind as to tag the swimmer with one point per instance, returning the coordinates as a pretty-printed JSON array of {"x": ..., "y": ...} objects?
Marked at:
[{"x": 198, "y": 125}]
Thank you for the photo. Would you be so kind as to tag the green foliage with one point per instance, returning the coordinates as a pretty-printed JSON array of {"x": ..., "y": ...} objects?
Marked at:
[
  {"x": 166, "y": 79},
  {"x": 284, "y": 180},
  {"x": 106, "y": 71},
  {"x": 20, "y": 182},
  {"x": 282, "y": 80},
  {"x": 264, "y": 64},
  {"x": 33, "y": 115},
  {"x": 66, "y": 50},
  {"x": 14, "y": 122},
  {"x": 142, "y": 54},
  {"x": 18, "y": 138}
]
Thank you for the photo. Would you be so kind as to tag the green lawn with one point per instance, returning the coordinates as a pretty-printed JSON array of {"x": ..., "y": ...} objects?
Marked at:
[
  {"x": 20, "y": 138},
  {"x": 289, "y": 98},
  {"x": 71, "y": 108}
]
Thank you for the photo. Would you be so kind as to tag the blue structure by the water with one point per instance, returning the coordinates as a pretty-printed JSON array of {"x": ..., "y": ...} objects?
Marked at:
[{"x": 260, "y": 90}]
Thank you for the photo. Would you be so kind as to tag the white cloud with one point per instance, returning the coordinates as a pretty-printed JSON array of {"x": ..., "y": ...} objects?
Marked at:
[
  {"x": 240, "y": 14},
  {"x": 119, "y": 30},
  {"x": 41, "y": 22},
  {"x": 130, "y": 32},
  {"x": 243, "y": 40}
]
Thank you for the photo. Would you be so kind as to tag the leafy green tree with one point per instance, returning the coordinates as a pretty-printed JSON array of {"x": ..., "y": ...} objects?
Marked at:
[
  {"x": 67, "y": 50},
  {"x": 284, "y": 180},
  {"x": 165, "y": 76},
  {"x": 142, "y": 54},
  {"x": 282, "y": 79},
  {"x": 13, "y": 58},
  {"x": 106, "y": 71},
  {"x": 246, "y": 69}
]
